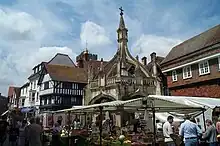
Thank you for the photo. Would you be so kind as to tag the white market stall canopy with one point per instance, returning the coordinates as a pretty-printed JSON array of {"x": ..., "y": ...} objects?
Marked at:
[
  {"x": 177, "y": 104},
  {"x": 205, "y": 102}
]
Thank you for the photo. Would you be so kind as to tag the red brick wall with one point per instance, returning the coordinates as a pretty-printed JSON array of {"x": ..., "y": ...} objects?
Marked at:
[
  {"x": 202, "y": 90},
  {"x": 190, "y": 57},
  {"x": 214, "y": 74}
]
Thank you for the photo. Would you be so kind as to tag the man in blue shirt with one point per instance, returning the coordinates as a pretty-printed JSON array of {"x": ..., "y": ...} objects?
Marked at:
[{"x": 190, "y": 132}]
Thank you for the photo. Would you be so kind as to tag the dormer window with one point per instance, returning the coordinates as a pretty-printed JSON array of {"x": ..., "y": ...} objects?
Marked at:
[
  {"x": 174, "y": 75},
  {"x": 187, "y": 72},
  {"x": 204, "y": 68}
]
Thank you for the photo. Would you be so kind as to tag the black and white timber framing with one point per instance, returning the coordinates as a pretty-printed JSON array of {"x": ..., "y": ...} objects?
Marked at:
[{"x": 56, "y": 95}]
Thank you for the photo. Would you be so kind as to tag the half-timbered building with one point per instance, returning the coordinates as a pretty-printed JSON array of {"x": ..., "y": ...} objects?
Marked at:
[{"x": 61, "y": 84}]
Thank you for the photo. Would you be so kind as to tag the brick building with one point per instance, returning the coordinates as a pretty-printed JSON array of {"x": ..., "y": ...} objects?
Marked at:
[
  {"x": 192, "y": 68},
  {"x": 13, "y": 97}
]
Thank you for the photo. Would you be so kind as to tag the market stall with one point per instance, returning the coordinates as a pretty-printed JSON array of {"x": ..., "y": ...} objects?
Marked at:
[
  {"x": 149, "y": 104},
  {"x": 154, "y": 105},
  {"x": 211, "y": 106}
]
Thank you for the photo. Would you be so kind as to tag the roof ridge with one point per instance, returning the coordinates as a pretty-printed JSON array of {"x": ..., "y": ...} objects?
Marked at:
[
  {"x": 194, "y": 44},
  {"x": 62, "y": 55},
  {"x": 62, "y": 65},
  {"x": 195, "y": 36},
  {"x": 66, "y": 73}
]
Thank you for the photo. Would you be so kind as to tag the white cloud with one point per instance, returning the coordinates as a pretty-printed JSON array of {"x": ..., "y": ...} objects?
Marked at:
[
  {"x": 21, "y": 36},
  {"x": 17, "y": 25},
  {"x": 41, "y": 54},
  {"x": 15, "y": 68},
  {"x": 147, "y": 44},
  {"x": 26, "y": 26},
  {"x": 94, "y": 35}
]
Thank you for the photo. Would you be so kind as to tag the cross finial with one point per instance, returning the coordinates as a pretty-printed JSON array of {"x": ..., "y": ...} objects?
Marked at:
[{"x": 121, "y": 11}]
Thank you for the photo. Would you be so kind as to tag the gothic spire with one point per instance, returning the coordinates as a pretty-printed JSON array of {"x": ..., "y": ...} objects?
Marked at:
[
  {"x": 122, "y": 30},
  {"x": 121, "y": 23}
]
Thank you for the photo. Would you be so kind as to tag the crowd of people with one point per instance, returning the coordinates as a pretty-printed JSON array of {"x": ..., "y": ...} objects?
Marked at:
[
  {"x": 27, "y": 132},
  {"x": 190, "y": 133},
  {"x": 20, "y": 132}
]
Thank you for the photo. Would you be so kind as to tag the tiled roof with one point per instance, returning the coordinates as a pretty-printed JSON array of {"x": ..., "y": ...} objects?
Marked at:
[
  {"x": 10, "y": 91},
  {"x": 67, "y": 73},
  {"x": 62, "y": 59},
  {"x": 201, "y": 41}
]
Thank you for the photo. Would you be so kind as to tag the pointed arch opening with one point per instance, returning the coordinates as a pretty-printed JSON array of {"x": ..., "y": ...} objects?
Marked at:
[{"x": 101, "y": 98}]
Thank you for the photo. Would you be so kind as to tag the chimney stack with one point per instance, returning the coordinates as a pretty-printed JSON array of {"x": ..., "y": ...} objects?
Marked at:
[
  {"x": 153, "y": 60},
  {"x": 153, "y": 57},
  {"x": 144, "y": 60},
  {"x": 80, "y": 63},
  {"x": 101, "y": 65}
]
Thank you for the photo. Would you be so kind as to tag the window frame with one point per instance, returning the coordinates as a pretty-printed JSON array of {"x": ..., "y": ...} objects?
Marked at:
[
  {"x": 67, "y": 85},
  {"x": 187, "y": 74},
  {"x": 47, "y": 85},
  {"x": 22, "y": 102},
  {"x": 203, "y": 64},
  {"x": 174, "y": 76}
]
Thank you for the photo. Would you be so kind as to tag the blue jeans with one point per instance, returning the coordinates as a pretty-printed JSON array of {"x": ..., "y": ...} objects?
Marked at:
[{"x": 191, "y": 142}]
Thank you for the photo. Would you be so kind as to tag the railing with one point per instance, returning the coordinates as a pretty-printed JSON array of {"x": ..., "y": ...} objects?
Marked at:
[
  {"x": 125, "y": 80},
  {"x": 47, "y": 91},
  {"x": 111, "y": 81},
  {"x": 33, "y": 90}
]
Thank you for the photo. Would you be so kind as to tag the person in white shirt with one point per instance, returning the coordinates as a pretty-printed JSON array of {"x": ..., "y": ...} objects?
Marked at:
[{"x": 168, "y": 130}]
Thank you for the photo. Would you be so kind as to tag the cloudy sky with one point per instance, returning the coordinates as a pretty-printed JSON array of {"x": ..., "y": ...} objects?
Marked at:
[{"x": 32, "y": 31}]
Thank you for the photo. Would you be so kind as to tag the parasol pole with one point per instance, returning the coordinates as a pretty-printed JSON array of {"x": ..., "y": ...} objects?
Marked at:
[
  {"x": 100, "y": 124},
  {"x": 68, "y": 128}
]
